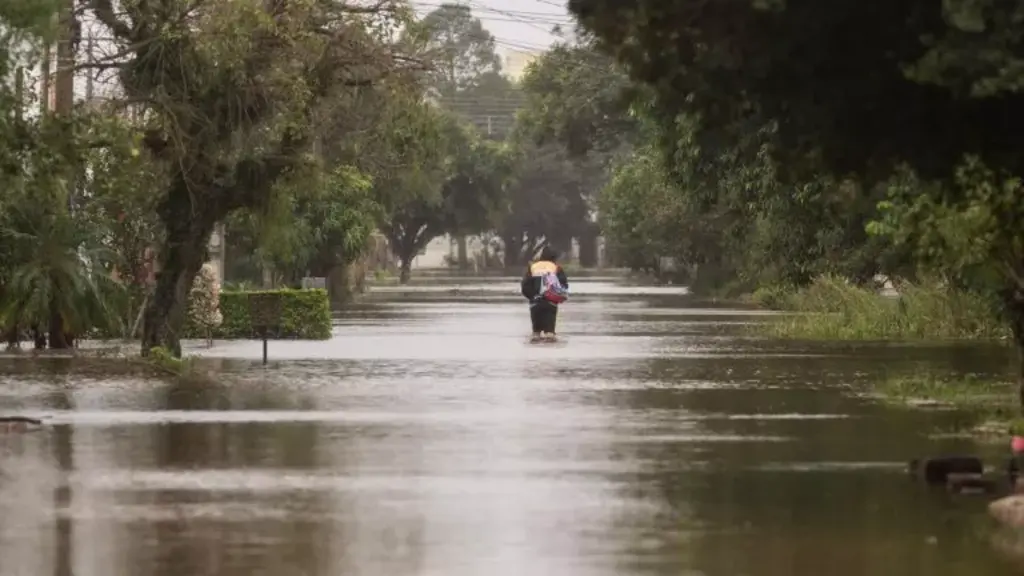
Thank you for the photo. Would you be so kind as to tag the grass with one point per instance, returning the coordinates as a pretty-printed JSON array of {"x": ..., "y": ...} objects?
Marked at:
[
  {"x": 989, "y": 405},
  {"x": 122, "y": 359},
  {"x": 383, "y": 276},
  {"x": 966, "y": 391},
  {"x": 831, "y": 308}
]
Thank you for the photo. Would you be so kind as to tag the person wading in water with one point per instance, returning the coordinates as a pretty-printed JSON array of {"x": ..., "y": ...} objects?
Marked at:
[{"x": 545, "y": 286}]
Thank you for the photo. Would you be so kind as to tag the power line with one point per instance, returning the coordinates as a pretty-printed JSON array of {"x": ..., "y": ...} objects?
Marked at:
[
  {"x": 532, "y": 19},
  {"x": 475, "y": 6},
  {"x": 517, "y": 19}
]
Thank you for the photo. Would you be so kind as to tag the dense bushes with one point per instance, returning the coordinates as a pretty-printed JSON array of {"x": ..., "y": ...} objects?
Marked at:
[
  {"x": 305, "y": 315},
  {"x": 833, "y": 308}
]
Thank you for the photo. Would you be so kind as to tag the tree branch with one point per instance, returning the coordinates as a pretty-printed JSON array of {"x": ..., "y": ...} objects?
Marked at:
[
  {"x": 104, "y": 12},
  {"x": 253, "y": 179}
]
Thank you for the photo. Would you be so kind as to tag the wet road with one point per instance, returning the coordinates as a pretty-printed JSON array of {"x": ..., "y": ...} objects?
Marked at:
[{"x": 429, "y": 438}]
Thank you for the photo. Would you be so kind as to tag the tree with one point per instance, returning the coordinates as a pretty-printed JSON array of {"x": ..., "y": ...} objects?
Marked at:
[
  {"x": 580, "y": 98},
  {"x": 231, "y": 92},
  {"x": 318, "y": 227},
  {"x": 936, "y": 90},
  {"x": 548, "y": 201},
  {"x": 466, "y": 77},
  {"x": 642, "y": 214},
  {"x": 55, "y": 259},
  {"x": 57, "y": 272},
  {"x": 446, "y": 180},
  {"x": 414, "y": 207},
  {"x": 460, "y": 48},
  {"x": 120, "y": 178}
]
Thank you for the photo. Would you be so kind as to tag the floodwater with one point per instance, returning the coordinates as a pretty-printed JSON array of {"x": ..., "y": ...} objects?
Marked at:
[{"x": 429, "y": 438}]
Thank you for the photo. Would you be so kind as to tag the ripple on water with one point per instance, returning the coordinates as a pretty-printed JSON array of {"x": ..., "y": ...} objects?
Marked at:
[
  {"x": 656, "y": 440},
  {"x": 397, "y": 418}
]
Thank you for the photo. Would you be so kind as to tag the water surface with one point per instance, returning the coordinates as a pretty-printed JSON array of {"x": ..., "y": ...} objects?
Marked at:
[{"x": 427, "y": 437}]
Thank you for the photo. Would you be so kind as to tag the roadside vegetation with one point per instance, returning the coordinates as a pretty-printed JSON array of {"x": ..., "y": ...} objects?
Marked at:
[
  {"x": 833, "y": 308},
  {"x": 315, "y": 139}
]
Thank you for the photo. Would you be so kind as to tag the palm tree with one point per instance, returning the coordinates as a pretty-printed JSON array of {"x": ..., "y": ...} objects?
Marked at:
[{"x": 58, "y": 274}]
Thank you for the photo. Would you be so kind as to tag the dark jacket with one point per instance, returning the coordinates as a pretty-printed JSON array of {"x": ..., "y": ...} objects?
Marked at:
[{"x": 530, "y": 285}]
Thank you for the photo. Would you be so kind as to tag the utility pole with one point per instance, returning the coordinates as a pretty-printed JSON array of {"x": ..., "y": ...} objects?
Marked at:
[{"x": 64, "y": 100}]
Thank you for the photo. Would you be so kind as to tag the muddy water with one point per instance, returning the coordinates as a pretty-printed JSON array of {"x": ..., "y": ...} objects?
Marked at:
[{"x": 429, "y": 438}]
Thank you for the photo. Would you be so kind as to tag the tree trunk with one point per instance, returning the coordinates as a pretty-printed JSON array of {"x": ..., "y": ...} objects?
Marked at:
[
  {"x": 183, "y": 255},
  {"x": 588, "y": 249},
  {"x": 12, "y": 335},
  {"x": 405, "y": 247},
  {"x": 57, "y": 337},
  {"x": 513, "y": 245},
  {"x": 463, "y": 247},
  {"x": 38, "y": 338},
  {"x": 339, "y": 289}
]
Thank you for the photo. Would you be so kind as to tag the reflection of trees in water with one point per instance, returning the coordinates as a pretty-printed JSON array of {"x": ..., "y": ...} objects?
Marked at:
[
  {"x": 318, "y": 529},
  {"x": 28, "y": 480},
  {"x": 764, "y": 521},
  {"x": 274, "y": 530},
  {"x": 63, "y": 438}
]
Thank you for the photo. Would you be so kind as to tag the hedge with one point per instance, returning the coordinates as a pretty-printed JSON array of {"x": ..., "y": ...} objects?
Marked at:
[{"x": 305, "y": 315}]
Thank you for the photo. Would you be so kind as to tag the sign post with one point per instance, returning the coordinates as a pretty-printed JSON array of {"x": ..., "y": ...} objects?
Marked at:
[{"x": 265, "y": 315}]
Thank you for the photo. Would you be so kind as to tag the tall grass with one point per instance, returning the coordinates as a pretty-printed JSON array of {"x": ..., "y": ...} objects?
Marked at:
[{"x": 831, "y": 308}]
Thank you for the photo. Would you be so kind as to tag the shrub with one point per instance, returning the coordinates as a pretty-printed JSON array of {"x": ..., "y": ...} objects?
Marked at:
[
  {"x": 305, "y": 315},
  {"x": 774, "y": 297},
  {"x": 833, "y": 308},
  {"x": 204, "y": 301}
]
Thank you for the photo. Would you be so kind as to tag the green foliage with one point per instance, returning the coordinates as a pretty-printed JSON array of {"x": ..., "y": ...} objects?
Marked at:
[
  {"x": 578, "y": 97},
  {"x": 24, "y": 26},
  {"x": 962, "y": 391},
  {"x": 449, "y": 181},
  {"x": 575, "y": 120},
  {"x": 56, "y": 266},
  {"x": 231, "y": 97},
  {"x": 548, "y": 200},
  {"x": 61, "y": 245},
  {"x": 461, "y": 49},
  {"x": 979, "y": 400},
  {"x": 971, "y": 229},
  {"x": 643, "y": 215},
  {"x": 774, "y": 297},
  {"x": 305, "y": 315},
  {"x": 831, "y": 308},
  {"x": 313, "y": 225},
  {"x": 465, "y": 77},
  {"x": 163, "y": 359},
  {"x": 934, "y": 96}
]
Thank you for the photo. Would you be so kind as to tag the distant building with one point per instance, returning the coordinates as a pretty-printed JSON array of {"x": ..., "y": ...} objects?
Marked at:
[{"x": 515, "y": 62}]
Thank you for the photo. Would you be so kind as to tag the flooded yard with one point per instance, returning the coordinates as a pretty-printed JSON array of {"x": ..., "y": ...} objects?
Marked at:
[{"x": 428, "y": 437}]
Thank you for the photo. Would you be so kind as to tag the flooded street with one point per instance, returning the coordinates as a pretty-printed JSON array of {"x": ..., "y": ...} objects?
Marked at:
[{"x": 428, "y": 437}]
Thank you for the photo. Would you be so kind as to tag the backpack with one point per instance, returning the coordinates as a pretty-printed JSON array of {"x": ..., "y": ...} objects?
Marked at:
[{"x": 551, "y": 288}]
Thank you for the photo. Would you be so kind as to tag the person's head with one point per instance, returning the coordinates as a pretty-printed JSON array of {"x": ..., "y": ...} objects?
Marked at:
[{"x": 548, "y": 254}]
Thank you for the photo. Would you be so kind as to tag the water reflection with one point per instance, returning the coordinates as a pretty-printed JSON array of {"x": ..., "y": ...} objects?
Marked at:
[{"x": 427, "y": 437}]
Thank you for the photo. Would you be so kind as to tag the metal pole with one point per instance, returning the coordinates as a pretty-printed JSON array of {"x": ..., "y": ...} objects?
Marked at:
[{"x": 264, "y": 347}]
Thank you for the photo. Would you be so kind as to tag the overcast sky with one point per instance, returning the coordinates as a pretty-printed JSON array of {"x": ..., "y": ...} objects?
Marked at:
[{"x": 516, "y": 24}]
